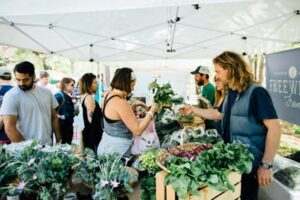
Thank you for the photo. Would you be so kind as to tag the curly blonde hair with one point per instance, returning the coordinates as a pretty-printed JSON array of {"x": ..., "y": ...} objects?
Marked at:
[{"x": 240, "y": 74}]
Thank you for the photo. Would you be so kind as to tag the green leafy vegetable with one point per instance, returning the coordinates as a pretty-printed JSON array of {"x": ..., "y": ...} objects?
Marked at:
[
  {"x": 162, "y": 94},
  {"x": 148, "y": 160},
  {"x": 185, "y": 118},
  {"x": 210, "y": 168}
]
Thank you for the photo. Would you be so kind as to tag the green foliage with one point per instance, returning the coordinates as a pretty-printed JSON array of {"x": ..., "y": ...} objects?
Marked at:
[
  {"x": 204, "y": 139},
  {"x": 162, "y": 94},
  {"x": 285, "y": 149},
  {"x": 33, "y": 57},
  {"x": 88, "y": 168},
  {"x": 105, "y": 173},
  {"x": 47, "y": 170},
  {"x": 178, "y": 100},
  {"x": 43, "y": 171},
  {"x": 148, "y": 186},
  {"x": 209, "y": 168},
  {"x": 185, "y": 118},
  {"x": 8, "y": 171},
  {"x": 289, "y": 176},
  {"x": 148, "y": 160},
  {"x": 297, "y": 130}
]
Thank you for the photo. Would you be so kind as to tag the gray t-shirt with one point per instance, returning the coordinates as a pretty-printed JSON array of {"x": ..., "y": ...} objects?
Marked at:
[{"x": 33, "y": 109}]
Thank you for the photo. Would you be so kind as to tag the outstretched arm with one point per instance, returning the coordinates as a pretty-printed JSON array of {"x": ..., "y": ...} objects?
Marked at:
[{"x": 210, "y": 113}]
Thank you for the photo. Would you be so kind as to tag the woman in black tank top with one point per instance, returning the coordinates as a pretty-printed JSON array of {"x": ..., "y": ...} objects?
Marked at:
[
  {"x": 120, "y": 123},
  {"x": 92, "y": 115}
]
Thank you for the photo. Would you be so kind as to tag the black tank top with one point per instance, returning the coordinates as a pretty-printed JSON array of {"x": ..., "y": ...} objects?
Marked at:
[
  {"x": 104, "y": 106},
  {"x": 92, "y": 131}
]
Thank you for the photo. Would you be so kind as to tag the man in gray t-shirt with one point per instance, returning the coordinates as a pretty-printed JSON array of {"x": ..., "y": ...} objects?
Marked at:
[{"x": 28, "y": 110}]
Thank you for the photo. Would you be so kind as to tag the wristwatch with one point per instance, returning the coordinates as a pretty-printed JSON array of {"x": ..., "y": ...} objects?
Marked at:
[{"x": 266, "y": 165}]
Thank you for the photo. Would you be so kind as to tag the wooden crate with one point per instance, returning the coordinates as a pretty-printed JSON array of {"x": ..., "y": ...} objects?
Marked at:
[{"x": 206, "y": 193}]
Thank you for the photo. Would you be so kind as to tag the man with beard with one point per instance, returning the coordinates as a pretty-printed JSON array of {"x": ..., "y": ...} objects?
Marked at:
[
  {"x": 202, "y": 79},
  {"x": 208, "y": 92},
  {"x": 28, "y": 110}
]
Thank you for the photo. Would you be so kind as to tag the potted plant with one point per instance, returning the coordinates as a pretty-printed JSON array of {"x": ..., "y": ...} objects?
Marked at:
[
  {"x": 14, "y": 191},
  {"x": 106, "y": 174},
  {"x": 47, "y": 170}
]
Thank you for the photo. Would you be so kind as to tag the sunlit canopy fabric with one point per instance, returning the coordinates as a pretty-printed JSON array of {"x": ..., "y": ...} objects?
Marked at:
[{"x": 116, "y": 30}]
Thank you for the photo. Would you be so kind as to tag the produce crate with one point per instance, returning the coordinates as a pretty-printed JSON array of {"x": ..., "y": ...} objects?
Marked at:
[{"x": 206, "y": 193}]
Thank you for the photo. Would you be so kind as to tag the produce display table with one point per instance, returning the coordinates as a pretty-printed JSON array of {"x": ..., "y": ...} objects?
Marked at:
[{"x": 167, "y": 193}]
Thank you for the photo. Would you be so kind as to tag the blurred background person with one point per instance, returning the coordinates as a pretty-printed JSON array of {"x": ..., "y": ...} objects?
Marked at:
[
  {"x": 5, "y": 85},
  {"x": 97, "y": 93},
  {"x": 65, "y": 110},
  {"x": 43, "y": 81},
  {"x": 91, "y": 111}
]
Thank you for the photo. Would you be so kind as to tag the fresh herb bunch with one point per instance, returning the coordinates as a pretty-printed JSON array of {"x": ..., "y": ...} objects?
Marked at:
[
  {"x": 162, "y": 94},
  {"x": 204, "y": 139},
  {"x": 148, "y": 160},
  {"x": 199, "y": 135},
  {"x": 209, "y": 168},
  {"x": 185, "y": 118}
]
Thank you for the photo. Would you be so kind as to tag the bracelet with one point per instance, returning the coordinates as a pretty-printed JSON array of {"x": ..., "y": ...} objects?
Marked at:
[{"x": 150, "y": 113}]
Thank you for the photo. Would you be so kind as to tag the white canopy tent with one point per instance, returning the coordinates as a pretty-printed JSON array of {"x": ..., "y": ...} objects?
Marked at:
[{"x": 131, "y": 30}]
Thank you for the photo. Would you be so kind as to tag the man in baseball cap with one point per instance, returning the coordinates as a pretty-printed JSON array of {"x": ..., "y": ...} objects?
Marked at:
[
  {"x": 5, "y": 73},
  {"x": 201, "y": 74}
]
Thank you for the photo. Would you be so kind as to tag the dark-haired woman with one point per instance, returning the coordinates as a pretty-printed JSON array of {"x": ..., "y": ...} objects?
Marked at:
[
  {"x": 120, "y": 123},
  {"x": 65, "y": 111},
  {"x": 92, "y": 116}
]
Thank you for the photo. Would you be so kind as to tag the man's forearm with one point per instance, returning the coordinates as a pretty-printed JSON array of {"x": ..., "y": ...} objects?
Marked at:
[
  {"x": 211, "y": 114},
  {"x": 272, "y": 142},
  {"x": 14, "y": 135}
]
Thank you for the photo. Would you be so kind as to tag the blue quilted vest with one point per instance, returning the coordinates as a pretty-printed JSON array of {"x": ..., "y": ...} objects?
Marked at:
[{"x": 243, "y": 125}]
